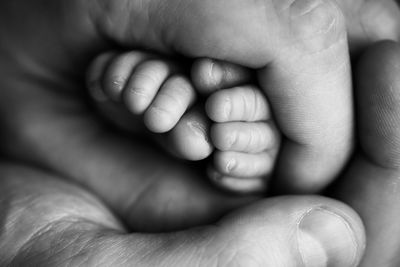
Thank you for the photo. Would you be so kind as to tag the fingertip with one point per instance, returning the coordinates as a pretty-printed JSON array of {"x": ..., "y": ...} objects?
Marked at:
[
  {"x": 314, "y": 231},
  {"x": 379, "y": 20},
  {"x": 317, "y": 243}
]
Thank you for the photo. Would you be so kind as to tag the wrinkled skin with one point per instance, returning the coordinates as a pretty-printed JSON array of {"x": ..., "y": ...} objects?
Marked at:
[{"x": 54, "y": 139}]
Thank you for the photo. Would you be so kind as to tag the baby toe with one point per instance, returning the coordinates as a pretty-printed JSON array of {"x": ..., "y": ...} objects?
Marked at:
[
  {"x": 249, "y": 137},
  {"x": 94, "y": 77},
  {"x": 245, "y": 103},
  {"x": 144, "y": 83},
  {"x": 119, "y": 71},
  {"x": 173, "y": 99},
  {"x": 189, "y": 138}
]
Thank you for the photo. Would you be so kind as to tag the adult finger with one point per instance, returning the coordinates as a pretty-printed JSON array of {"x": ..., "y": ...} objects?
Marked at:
[
  {"x": 65, "y": 225},
  {"x": 370, "y": 185},
  {"x": 370, "y": 21}
]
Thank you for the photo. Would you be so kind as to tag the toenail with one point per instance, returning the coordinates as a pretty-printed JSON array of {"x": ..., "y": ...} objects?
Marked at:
[
  {"x": 215, "y": 73},
  {"x": 198, "y": 129},
  {"x": 231, "y": 165}
]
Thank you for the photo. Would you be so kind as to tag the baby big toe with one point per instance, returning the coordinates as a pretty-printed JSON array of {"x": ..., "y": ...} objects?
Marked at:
[
  {"x": 189, "y": 138},
  {"x": 146, "y": 80},
  {"x": 171, "y": 102}
]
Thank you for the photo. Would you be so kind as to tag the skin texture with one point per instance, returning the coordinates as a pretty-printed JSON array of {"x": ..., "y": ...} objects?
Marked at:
[{"x": 56, "y": 134}]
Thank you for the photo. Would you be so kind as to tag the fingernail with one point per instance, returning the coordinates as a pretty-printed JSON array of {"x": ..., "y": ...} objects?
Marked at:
[{"x": 326, "y": 239}]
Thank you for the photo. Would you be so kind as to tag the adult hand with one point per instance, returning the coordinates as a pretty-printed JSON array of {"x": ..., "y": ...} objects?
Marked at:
[
  {"x": 49, "y": 222},
  {"x": 46, "y": 123}
]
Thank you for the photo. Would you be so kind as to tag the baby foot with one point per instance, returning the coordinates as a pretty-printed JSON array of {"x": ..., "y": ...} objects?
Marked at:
[
  {"x": 136, "y": 89},
  {"x": 243, "y": 131}
]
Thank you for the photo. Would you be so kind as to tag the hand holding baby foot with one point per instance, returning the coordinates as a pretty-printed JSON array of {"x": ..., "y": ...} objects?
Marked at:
[
  {"x": 42, "y": 68},
  {"x": 141, "y": 83}
]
